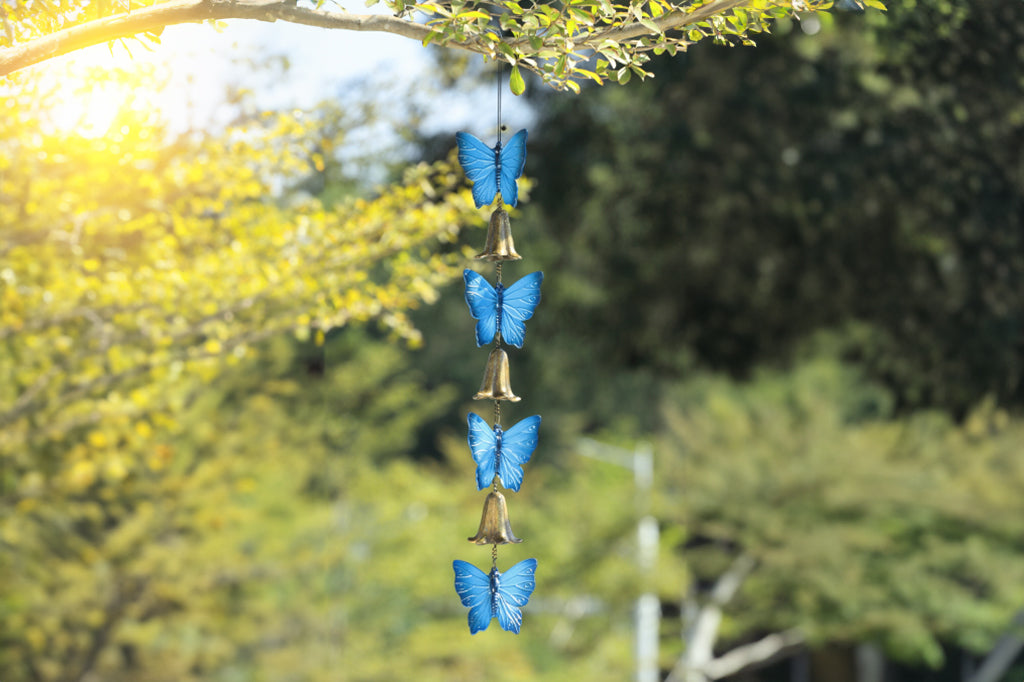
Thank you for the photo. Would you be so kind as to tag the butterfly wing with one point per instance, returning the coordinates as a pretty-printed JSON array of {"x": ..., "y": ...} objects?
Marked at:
[
  {"x": 474, "y": 588},
  {"x": 517, "y": 306},
  {"x": 514, "y": 589},
  {"x": 482, "y": 444},
  {"x": 517, "y": 446},
  {"x": 513, "y": 159},
  {"x": 482, "y": 302},
  {"x": 479, "y": 163}
]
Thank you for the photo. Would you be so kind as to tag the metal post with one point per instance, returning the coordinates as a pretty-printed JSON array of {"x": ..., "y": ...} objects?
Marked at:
[{"x": 648, "y": 606}]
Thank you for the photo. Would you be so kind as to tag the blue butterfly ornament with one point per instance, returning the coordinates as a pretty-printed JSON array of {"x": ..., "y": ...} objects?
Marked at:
[
  {"x": 495, "y": 594},
  {"x": 500, "y": 310},
  {"x": 502, "y": 452},
  {"x": 493, "y": 169}
]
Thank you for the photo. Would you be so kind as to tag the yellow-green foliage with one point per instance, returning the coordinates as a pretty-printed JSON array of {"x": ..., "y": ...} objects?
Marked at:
[
  {"x": 129, "y": 263},
  {"x": 904, "y": 531},
  {"x": 288, "y": 536},
  {"x": 134, "y": 271}
]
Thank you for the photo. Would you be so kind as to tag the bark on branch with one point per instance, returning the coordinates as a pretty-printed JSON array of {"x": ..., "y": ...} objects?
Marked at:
[
  {"x": 155, "y": 17},
  {"x": 668, "y": 21},
  {"x": 764, "y": 651},
  {"x": 702, "y": 633}
]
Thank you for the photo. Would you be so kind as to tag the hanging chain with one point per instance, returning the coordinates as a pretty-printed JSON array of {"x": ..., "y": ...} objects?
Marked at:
[
  {"x": 495, "y": 528},
  {"x": 497, "y": 277}
]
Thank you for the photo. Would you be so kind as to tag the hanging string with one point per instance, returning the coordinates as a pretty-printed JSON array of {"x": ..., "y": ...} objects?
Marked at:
[
  {"x": 501, "y": 80},
  {"x": 497, "y": 274}
]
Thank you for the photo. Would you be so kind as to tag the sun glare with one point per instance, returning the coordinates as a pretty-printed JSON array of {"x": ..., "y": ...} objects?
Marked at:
[
  {"x": 98, "y": 88},
  {"x": 102, "y": 89}
]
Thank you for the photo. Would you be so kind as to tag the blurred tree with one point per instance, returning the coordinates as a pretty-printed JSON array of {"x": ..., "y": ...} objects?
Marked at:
[
  {"x": 744, "y": 199},
  {"x": 198, "y": 480},
  {"x": 166, "y": 259},
  {"x": 283, "y": 532},
  {"x": 849, "y": 526},
  {"x": 716, "y": 219},
  {"x": 135, "y": 269}
]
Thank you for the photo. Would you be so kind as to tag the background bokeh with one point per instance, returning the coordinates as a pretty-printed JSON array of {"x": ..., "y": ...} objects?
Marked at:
[{"x": 793, "y": 273}]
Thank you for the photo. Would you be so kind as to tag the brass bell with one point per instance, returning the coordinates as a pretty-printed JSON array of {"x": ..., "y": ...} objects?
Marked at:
[
  {"x": 495, "y": 528},
  {"x": 495, "y": 385},
  {"x": 499, "y": 244}
]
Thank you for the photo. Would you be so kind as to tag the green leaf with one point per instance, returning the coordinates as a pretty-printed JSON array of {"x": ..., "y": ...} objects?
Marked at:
[
  {"x": 650, "y": 25},
  {"x": 581, "y": 16},
  {"x": 623, "y": 75},
  {"x": 516, "y": 83}
]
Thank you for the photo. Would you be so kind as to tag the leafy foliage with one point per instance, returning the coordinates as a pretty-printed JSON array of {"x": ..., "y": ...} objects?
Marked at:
[
  {"x": 137, "y": 269},
  {"x": 181, "y": 511},
  {"x": 558, "y": 41},
  {"x": 287, "y": 534},
  {"x": 564, "y": 43},
  {"x": 902, "y": 532},
  {"x": 25, "y": 19},
  {"x": 167, "y": 260},
  {"x": 715, "y": 220},
  {"x": 745, "y": 199}
]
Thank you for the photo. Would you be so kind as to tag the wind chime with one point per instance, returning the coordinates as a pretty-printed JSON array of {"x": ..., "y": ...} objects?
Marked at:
[{"x": 501, "y": 314}]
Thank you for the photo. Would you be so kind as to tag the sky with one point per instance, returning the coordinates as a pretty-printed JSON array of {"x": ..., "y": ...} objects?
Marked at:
[{"x": 201, "y": 63}]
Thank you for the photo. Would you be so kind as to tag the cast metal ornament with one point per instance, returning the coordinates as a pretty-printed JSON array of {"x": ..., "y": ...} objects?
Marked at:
[
  {"x": 500, "y": 455},
  {"x": 495, "y": 528},
  {"x": 496, "y": 384},
  {"x": 499, "y": 246}
]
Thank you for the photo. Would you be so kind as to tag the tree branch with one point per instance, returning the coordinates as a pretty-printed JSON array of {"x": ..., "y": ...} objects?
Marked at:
[
  {"x": 763, "y": 652},
  {"x": 1003, "y": 654},
  {"x": 667, "y": 22},
  {"x": 700, "y": 636},
  {"x": 155, "y": 17}
]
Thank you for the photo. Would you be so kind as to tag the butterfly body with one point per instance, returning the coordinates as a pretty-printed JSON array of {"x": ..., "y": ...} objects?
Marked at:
[
  {"x": 500, "y": 310},
  {"x": 499, "y": 295},
  {"x": 493, "y": 169},
  {"x": 502, "y": 453},
  {"x": 495, "y": 594}
]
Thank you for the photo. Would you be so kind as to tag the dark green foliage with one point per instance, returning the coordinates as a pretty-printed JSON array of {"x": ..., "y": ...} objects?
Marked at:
[{"x": 715, "y": 216}]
